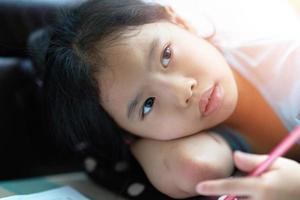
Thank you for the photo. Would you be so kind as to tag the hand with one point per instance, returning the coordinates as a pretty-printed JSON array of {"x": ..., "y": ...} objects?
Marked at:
[{"x": 280, "y": 182}]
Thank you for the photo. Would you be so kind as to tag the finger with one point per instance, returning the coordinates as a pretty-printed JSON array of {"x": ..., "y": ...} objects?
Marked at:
[
  {"x": 245, "y": 198},
  {"x": 235, "y": 186},
  {"x": 247, "y": 162}
]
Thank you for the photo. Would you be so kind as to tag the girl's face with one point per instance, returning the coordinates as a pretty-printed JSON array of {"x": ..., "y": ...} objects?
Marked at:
[{"x": 165, "y": 82}]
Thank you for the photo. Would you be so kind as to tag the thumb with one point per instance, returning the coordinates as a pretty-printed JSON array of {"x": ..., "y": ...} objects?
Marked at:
[{"x": 247, "y": 162}]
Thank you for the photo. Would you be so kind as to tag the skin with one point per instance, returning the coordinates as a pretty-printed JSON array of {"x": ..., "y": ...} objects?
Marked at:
[
  {"x": 184, "y": 162},
  {"x": 193, "y": 67},
  {"x": 177, "y": 87},
  {"x": 177, "y": 83},
  {"x": 281, "y": 181}
]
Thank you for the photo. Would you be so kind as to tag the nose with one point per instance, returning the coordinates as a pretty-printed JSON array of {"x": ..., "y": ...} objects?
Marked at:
[{"x": 178, "y": 88}]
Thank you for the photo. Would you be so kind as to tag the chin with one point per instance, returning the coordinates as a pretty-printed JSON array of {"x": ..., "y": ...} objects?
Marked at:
[{"x": 227, "y": 109}]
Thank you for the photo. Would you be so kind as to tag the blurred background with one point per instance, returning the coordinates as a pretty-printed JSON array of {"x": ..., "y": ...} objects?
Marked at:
[{"x": 26, "y": 147}]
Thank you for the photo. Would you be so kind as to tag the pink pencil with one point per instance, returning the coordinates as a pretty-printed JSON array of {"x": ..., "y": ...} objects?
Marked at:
[{"x": 286, "y": 144}]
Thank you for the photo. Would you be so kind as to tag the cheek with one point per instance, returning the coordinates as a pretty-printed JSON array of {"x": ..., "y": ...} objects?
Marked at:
[
  {"x": 164, "y": 132},
  {"x": 171, "y": 128}
]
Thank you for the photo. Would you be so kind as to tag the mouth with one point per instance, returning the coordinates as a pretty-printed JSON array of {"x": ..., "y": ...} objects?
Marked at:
[{"x": 211, "y": 100}]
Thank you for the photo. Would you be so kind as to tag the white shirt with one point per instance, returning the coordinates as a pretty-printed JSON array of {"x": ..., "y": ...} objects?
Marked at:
[{"x": 273, "y": 67}]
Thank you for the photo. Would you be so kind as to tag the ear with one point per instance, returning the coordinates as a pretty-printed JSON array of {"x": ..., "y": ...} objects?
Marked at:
[{"x": 176, "y": 19}]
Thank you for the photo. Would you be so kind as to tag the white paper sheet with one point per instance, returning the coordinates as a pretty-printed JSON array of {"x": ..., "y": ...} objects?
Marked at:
[{"x": 62, "y": 193}]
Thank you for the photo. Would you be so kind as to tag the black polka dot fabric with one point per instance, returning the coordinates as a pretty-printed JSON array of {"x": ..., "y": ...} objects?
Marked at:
[{"x": 125, "y": 178}]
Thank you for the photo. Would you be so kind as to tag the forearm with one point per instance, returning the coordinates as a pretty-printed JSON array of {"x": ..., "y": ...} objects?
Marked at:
[
  {"x": 175, "y": 167},
  {"x": 152, "y": 156}
]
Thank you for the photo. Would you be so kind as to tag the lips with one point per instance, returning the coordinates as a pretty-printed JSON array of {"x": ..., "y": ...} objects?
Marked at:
[{"x": 211, "y": 100}]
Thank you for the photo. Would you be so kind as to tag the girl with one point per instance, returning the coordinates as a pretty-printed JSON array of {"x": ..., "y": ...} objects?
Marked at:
[{"x": 141, "y": 67}]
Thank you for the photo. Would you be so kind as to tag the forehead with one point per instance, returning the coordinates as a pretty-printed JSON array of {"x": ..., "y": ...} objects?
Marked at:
[
  {"x": 138, "y": 36},
  {"x": 125, "y": 57}
]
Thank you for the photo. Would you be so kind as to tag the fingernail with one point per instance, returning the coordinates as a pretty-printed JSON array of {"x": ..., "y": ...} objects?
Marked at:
[{"x": 240, "y": 153}]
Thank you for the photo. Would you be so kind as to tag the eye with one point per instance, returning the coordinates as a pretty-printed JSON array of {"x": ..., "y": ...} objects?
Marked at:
[
  {"x": 147, "y": 107},
  {"x": 166, "y": 56}
]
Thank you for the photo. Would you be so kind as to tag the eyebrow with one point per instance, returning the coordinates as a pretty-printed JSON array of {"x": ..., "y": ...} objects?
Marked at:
[
  {"x": 153, "y": 46},
  {"x": 135, "y": 102}
]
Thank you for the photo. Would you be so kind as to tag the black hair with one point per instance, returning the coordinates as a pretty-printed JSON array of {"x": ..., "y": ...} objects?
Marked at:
[{"x": 71, "y": 91}]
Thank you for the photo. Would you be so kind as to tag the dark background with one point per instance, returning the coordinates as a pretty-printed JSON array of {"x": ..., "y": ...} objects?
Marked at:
[{"x": 26, "y": 146}]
